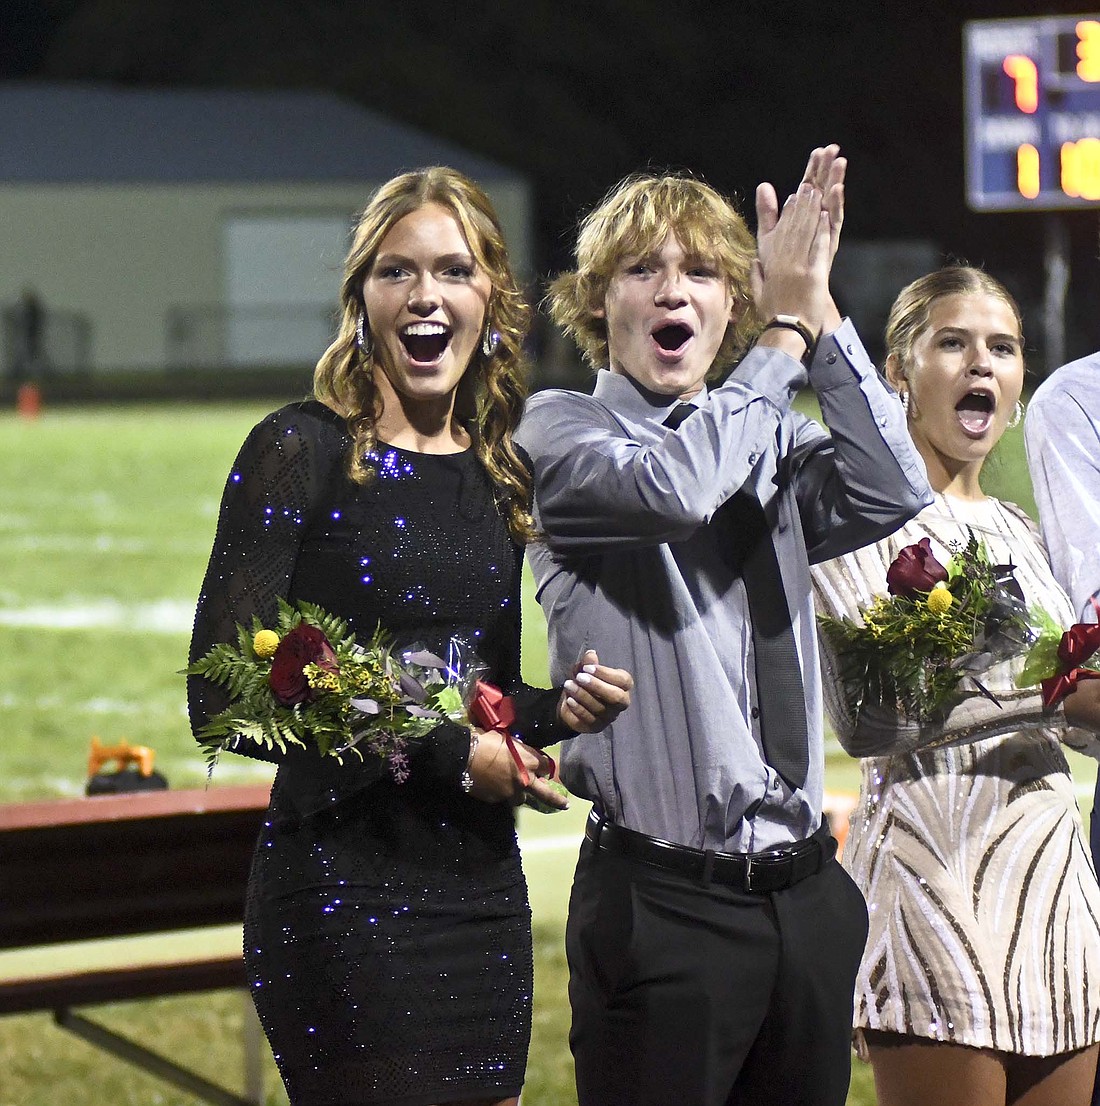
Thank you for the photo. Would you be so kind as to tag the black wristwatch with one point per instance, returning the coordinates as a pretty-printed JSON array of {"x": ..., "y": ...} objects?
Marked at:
[{"x": 793, "y": 322}]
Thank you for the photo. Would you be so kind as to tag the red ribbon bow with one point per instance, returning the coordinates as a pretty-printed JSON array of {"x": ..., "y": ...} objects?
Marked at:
[
  {"x": 491, "y": 709},
  {"x": 1078, "y": 644}
]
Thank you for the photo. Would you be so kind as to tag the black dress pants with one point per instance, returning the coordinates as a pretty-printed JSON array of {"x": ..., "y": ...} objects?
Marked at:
[{"x": 686, "y": 994}]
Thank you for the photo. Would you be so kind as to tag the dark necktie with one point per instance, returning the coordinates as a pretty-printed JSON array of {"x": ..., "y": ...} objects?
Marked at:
[{"x": 745, "y": 537}]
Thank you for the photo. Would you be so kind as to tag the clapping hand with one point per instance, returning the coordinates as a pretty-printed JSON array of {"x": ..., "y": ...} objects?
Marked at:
[
  {"x": 825, "y": 175},
  {"x": 796, "y": 247}
]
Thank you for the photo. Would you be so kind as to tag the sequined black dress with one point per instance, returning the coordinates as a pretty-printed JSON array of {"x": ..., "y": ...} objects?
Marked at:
[{"x": 387, "y": 931}]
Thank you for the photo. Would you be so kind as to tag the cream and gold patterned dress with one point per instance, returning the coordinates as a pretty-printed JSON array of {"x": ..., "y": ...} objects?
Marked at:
[{"x": 984, "y": 906}]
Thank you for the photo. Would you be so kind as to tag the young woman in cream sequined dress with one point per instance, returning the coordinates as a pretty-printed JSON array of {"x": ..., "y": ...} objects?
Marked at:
[{"x": 980, "y": 982}]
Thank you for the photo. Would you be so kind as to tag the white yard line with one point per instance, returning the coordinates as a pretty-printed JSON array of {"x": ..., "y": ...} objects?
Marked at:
[
  {"x": 159, "y": 616},
  {"x": 98, "y": 543},
  {"x": 161, "y": 706}
]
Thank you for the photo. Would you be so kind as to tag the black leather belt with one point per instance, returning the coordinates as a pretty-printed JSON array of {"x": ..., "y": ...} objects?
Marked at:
[{"x": 760, "y": 873}]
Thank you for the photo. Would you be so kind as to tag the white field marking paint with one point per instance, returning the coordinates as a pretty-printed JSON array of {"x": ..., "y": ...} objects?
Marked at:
[
  {"x": 160, "y": 707},
  {"x": 57, "y": 493},
  {"x": 99, "y": 543},
  {"x": 160, "y": 616},
  {"x": 38, "y": 502}
]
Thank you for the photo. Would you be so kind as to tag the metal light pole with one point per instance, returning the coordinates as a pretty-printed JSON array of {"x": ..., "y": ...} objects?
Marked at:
[{"x": 1056, "y": 283}]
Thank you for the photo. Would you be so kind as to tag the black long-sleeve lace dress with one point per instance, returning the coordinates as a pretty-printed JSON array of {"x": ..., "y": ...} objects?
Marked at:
[{"x": 387, "y": 930}]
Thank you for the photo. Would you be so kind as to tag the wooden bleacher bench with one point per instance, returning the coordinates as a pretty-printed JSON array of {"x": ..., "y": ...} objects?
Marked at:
[{"x": 168, "y": 863}]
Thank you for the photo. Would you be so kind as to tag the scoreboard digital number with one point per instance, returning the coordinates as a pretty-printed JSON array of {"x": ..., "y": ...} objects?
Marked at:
[{"x": 1033, "y": 113}]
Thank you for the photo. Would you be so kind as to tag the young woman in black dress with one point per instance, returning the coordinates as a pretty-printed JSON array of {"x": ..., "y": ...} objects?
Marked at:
[{"x": 387, "y": 930}]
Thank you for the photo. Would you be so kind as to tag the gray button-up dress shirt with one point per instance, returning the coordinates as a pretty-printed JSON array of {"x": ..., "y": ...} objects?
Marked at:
[
  {"x": 1063, "y": 452},
  {"x": 631, "y": 568}
]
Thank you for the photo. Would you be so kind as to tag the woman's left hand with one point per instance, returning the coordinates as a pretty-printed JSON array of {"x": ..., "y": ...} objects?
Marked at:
[
  {"x": 495, "y": 773},
  {"x": 595, "y": 696}
]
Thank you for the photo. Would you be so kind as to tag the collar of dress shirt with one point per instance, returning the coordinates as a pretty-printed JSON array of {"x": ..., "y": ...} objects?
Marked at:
[{"x": 624, "y": 395}]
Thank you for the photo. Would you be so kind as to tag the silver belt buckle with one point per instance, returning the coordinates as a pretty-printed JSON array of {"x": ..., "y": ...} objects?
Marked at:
[
  {"x": 784, "y": 852},
  {"x": 748, "y": 873}
]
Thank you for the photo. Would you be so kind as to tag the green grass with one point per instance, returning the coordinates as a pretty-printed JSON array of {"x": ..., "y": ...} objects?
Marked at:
[{"x": 106, "y": 519}]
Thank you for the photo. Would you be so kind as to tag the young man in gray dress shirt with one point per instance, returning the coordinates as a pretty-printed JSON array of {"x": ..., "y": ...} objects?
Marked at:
[{"x": 712, "y": 940}]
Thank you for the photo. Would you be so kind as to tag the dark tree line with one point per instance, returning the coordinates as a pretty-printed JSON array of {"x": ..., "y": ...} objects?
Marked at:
[{"x": 576, "y": 94}]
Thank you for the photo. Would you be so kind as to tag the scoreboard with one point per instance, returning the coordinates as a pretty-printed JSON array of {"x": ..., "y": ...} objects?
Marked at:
[{"x": 1032, "y": 113}]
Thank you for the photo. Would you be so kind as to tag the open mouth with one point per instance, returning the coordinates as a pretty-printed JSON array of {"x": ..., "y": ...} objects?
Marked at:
[
  {"x": 425, "y": 342},
  {"x": 975, "y": 411},
  {"x": 672, "y": 337}
]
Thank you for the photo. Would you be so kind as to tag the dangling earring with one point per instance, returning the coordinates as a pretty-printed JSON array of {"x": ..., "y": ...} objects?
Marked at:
[
  {"x": 1017, "y": 415},
  {"x": 908, "y": 404},
  {"x": 363, "y": 336},
  {"x": 490, "y": 341}
]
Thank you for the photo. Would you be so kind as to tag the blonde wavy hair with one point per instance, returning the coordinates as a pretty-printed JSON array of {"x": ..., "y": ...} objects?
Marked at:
[
  {"x": 493, "y": 389},
  {"x": 911, "y": 310},
  {"x": 633, "y": 220}
]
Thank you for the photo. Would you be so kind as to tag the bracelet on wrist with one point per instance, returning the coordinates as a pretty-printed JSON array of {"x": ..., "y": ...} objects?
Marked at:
[
  {"x": 793, "y": 322},
  {"x": 466, "y": 781}
]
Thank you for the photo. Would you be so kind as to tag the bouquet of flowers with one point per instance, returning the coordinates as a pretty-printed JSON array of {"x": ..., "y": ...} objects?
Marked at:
[
  {"x": 1058, "y": 661},
  {"x": 940, "y": 625},
  {"x": 309, "y": 680}
]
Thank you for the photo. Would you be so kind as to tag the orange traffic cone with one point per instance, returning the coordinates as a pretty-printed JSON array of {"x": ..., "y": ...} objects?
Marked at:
[{"x": 837, "y": 807}]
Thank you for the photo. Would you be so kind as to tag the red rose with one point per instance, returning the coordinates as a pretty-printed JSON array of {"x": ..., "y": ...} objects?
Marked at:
[
  {"x": 304, "y": 645},
  {"x": 1079, "y": 643},
  {"x": 915, "y": 570}
]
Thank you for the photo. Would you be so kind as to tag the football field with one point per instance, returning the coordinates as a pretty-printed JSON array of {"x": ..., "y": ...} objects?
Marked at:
[{"x": 106, "y": 519}]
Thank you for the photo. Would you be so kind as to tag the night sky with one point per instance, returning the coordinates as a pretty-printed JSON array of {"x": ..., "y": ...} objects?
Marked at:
[{"x": 578, "y": 94}]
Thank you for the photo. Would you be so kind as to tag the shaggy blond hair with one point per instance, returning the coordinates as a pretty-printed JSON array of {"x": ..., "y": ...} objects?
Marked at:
[
  {"x": 493, "y": 389},
  {"x": 633, "y": 221}
]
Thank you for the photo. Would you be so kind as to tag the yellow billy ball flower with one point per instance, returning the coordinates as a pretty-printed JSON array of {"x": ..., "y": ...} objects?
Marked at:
[
  {"x": 265, "y": 643},
  {"x": 939, "y": 600}
]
